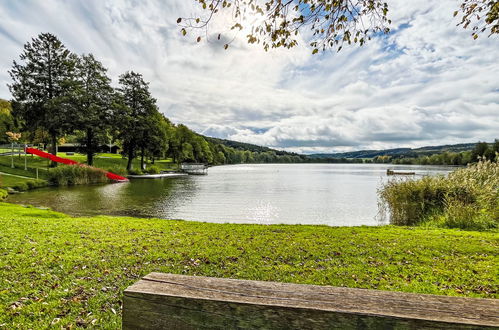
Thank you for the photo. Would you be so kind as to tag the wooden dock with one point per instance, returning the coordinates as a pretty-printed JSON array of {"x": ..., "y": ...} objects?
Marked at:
[
  {"x": 391, "y": 172},
  {"x": 194, "y": 168},
  {"x": 167, "y": 301},
  {"x": 157, "y": 176}
]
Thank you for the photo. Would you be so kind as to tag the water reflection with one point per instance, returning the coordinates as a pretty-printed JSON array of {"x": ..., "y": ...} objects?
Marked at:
[{"x": 331, "y": 194}]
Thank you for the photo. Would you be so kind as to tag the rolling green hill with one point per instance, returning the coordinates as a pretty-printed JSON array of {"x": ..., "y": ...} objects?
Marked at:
[{"x": 398, "y": 152}]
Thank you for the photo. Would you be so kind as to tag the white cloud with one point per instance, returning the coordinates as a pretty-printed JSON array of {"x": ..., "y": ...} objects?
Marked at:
[{"x": 426, "y": 83}]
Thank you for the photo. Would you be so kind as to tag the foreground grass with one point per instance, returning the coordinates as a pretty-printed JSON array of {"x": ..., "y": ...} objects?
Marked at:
[{"x": 56, "y": 270}]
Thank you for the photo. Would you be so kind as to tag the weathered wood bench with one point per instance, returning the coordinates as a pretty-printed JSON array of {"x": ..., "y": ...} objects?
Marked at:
[{"x": 166, "y": 301}]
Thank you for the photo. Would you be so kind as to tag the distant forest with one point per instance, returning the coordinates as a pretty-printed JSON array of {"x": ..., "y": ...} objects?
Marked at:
[{"x": 457, "y": 154}]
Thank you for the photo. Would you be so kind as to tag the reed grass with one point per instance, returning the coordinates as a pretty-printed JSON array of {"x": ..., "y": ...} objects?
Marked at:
[
  {"x": 75, "y": 175},
  {"x": 467, "y": 198}
]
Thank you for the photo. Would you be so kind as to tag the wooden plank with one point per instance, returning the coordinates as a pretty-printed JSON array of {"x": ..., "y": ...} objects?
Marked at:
[{"x": 167, "y": 301}]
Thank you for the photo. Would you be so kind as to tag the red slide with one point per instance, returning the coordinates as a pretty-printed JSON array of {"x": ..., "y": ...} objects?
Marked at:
[{"x": 66, "y": 161}]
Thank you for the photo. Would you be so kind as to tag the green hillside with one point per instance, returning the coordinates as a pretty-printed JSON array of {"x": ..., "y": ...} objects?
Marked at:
[{"x": 399, "y": 152}]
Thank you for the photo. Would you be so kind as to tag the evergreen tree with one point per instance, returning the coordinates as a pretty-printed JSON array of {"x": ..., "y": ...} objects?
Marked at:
[
  {"x": 41, "y": 82},
  {"x": 137, "y": 105},
  {"x": 92, "y": 98}
]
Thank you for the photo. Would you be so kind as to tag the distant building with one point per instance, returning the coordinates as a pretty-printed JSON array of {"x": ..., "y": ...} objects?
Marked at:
[{"x": 75, "y": 147}]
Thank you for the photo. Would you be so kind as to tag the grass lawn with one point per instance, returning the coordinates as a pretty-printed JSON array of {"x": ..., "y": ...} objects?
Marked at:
[
  {"x": 10, "y": 181},
  {"x": 59, "y": 270}
]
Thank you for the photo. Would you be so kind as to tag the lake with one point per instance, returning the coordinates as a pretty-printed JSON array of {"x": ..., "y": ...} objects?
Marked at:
[{"x": 325, "y": 194}]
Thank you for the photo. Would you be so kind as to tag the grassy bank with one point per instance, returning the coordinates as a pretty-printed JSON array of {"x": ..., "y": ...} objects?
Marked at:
[
  {"x": 55, "y": 269},
  {"x": 110, "y": 162},
  {"x": 68, "y": 175},
  {"x": 19, "y": 183}
]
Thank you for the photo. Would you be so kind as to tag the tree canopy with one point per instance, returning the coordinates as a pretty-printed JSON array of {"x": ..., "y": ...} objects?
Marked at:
[{"x": 327, "y": 23}]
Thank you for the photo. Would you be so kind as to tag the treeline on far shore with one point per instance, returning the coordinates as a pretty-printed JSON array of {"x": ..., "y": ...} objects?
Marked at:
[{"x": 482, "y": 150}]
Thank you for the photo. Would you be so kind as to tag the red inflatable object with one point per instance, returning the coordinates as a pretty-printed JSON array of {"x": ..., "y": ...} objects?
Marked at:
[{"x": 66, "y": 161}]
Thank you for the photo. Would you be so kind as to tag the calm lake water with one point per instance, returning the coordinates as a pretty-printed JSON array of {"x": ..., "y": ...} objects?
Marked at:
[{"x": 328, "y": 194}]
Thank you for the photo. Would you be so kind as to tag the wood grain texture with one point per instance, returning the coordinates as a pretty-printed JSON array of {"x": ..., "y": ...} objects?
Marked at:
[{"x": 167, "y": 301}]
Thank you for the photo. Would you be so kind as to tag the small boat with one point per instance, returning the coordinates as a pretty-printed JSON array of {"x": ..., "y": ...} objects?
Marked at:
[{"x": 392, "y": 172}]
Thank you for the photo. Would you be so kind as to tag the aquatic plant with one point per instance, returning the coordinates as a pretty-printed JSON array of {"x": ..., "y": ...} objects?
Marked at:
[
  {"x": 467, "y": 198},
  {"x": 74, "y": 175}
]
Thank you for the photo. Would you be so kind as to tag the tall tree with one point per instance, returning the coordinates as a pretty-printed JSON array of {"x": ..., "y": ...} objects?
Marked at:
[
  {"x": 157, "y": 144},
  {"x": 137, "y": 106},
  {"x": 92, "y": 97},
  {"x": 40, "y": 86},
  {"x": 152, "y": 138},
  {"x": 481, "y": 149}
]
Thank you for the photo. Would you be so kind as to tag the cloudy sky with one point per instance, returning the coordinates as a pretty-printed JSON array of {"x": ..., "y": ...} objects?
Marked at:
[{"x": 427, "y": 83}]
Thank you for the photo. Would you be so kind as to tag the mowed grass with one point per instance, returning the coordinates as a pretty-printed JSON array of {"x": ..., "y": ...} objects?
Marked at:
[
  {"x": 60, "y": 271},
  {"x": 10, "y": 181}
]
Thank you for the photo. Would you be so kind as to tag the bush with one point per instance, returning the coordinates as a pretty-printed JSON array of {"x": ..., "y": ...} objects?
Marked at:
[
  {"x": 21, "y": 186},
  {"x": 117, "y": 170},
  {"x": 152, "y": 169},
  {"x": 3, "y": 194},
  {"x": 467, "y": 199},
  {"x": 74, "y": 175},
  {"x": 33, "y": 184},
  {"x": 135, "y": 172}
]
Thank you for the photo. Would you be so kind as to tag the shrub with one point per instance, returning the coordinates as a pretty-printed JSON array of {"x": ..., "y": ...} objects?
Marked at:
[
  {"x": 33, "y": 184},
  {"x": 135, "y": 172},
  {"x": 3, "y": 194},
  {"x": 152, "y": 169},
  {"x": 117, "y": 170},
  {"x": 74, "y": 175},
  {"x": 21, "y": 186},
  {"x": 467, "y": 198}
]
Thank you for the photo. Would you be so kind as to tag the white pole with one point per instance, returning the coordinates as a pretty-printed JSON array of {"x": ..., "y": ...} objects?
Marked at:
[
  {"x": 12, "y": 155},
  {"x": 37, "y": 173},
  {"x": 25, "y": 158}
]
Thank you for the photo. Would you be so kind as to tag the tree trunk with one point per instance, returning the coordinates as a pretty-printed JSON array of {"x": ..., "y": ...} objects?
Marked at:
[
  {"x": 142, "y": 158},
  {"x": 130, "y": 159},
  {"x": 53, "y": 140},
  {"x": 90, "y": 148}
]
